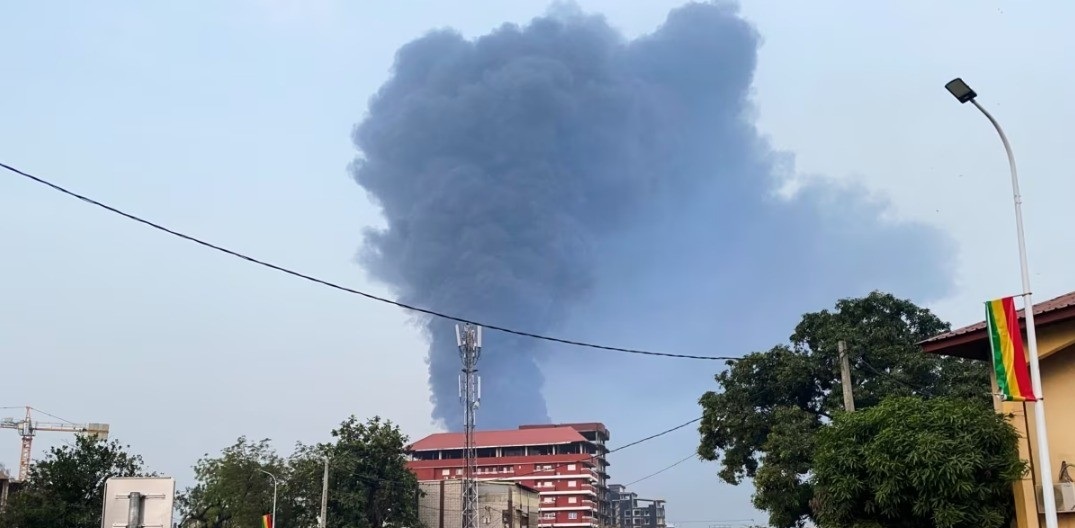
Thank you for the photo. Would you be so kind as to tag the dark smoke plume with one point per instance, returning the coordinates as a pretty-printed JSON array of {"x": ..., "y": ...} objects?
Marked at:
[{"x": 503, "y": 163}]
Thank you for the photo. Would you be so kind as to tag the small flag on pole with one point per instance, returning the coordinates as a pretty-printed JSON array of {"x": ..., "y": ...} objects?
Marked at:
[
  {"x": 266, "y": 521},
  {"x": 1009, "y": 357}
]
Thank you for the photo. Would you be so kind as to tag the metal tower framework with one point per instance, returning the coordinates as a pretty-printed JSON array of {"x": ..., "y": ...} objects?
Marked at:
[
  {"x": 28, "y": 428},
  {"x": 469, "y": 339}
]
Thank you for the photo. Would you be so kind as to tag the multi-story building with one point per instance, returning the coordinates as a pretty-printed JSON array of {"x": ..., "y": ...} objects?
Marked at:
[
  {"x": 630, "y": 511},
  {"x": 567, "y": 469},
  {"x": 598, "y": 435},
  {"x": 501, "y": 504}
]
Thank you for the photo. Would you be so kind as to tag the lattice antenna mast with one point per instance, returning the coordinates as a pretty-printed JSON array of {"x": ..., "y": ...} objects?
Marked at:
[{"x": 469, "y": 339}]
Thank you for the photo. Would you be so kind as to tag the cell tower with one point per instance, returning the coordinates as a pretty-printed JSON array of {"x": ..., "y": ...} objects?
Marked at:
[{"x": 469, "y": 339}]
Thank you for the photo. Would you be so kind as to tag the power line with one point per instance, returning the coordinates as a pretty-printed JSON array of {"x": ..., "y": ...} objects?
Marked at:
[
  {"x": 658, "y": 472},
  {"x": 346, "y": 289},
  {"x": 662, "y": 433},
  {"x": 594, "y": 457},
  {"x": 713, "y": 521},
  {"x": 892, "y": 377}
]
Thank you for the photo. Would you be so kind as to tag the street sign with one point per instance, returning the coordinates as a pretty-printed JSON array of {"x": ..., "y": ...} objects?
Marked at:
[{"x": 138, "y": 502}]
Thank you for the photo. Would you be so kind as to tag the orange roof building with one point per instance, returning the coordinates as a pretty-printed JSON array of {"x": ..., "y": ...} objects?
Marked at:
[
  {"x": 565, "y": 463},
  {"x": 1054, "y": 321}
]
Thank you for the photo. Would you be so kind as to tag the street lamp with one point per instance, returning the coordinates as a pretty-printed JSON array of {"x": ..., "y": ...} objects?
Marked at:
[
  {"x": 274, "y": 485},
  {"x": 961, "y": 91},
  {"x": 322, "y": 521}
]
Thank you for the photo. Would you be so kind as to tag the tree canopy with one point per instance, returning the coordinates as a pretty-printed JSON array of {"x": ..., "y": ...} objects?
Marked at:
[
  {"x": 66, "y": 487},
  {"x": 369, "y": 483},
  {"x": 910, "y": 462},
  {"x": 762, "y": 422},
  {"x": 231, "y": 489}
]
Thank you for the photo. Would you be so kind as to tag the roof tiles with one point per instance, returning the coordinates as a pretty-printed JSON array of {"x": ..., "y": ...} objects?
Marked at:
[{"x": 1052, "y": 305}]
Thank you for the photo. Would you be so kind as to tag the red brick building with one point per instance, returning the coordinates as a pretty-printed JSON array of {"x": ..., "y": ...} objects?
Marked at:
[{"x": 566, "y": 463}]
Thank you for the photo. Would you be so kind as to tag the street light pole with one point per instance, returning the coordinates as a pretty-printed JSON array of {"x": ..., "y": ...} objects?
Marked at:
[
  {"x": 274, "y": 485},
  {"x": 324, "y": 497},
  {"x": 965, "y": 94}
]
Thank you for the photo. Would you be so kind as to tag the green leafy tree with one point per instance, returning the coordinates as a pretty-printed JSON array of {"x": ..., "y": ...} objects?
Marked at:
[
  {"x": 762, "y": 421},
  {"x": 231, "y": 489},
  {"x": 370, "y": 485},
  {"x": 66, "y": 488},
  {"x": 909, "y": 462},
  {"x": 305, "y": 471}
]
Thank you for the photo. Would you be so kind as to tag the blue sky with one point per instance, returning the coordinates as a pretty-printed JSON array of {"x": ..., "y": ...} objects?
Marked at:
[{"x": 232, "y": 121}]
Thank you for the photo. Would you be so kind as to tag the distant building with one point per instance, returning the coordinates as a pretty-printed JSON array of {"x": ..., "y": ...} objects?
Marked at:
[
  {"x": 501, "y": 504},
  {"x": 8, "y": 486},
  {"x": 566, "y": 464},
  {"x": 630, "y": 511}
]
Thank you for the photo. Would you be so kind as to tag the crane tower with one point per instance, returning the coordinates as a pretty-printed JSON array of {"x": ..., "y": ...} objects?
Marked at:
[{"x": 28, "y": 428}]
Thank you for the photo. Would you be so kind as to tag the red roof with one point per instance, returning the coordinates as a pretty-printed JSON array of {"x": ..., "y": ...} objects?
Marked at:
[
  {"x": 506, "y": 438},
  {"x": 964, "y": 341}
]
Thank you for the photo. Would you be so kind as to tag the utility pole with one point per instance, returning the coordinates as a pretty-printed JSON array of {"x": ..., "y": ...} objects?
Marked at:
[
  {"x": 845, "y": 377},
  {"x": 509, "y": 519},
  {"x": 469, "y": 339},
  {"x": 323, "y": 520}
]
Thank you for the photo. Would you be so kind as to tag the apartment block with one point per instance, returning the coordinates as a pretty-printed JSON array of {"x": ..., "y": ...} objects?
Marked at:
[
  {"x": 630, "y": 511},
  {"x": 564, "y": 463}
]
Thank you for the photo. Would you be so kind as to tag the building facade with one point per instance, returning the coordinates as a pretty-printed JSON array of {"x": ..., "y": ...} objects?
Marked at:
[
  {"x": 567, "y": 468},
  {"x": 1054, "y": 321},
  {"x": 630, "y": 511},
  {"x": 501, "y": 504},
  {"x": 5, "y": 487}
]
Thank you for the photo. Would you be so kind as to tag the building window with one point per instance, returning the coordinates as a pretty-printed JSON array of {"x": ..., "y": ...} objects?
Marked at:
[
  {"x": 572, "y": 500},
  {"x": 445, "y": 472},
  {"x": 548, "y": 500},
  {"x": 548, "y": 515},
  {"x": 572, "y": 484},
  {"x": 459, "y": 471},
  {"x": 571, "y": 467},
  {"x": 572, "y": 515}
]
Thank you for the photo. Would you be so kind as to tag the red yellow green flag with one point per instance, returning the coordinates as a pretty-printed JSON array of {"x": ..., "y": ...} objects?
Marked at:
[
  {"x": 1009, "y": 358},
  {"x": 266, "y": 521}
]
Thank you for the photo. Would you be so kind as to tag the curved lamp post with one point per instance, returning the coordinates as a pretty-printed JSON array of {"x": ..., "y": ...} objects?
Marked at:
[
  {"x": 965, "y": 94},
  {"x": 274, "y": 485}
]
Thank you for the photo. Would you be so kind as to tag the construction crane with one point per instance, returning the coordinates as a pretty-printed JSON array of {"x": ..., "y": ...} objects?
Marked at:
[{"x": 27, "y": 428}]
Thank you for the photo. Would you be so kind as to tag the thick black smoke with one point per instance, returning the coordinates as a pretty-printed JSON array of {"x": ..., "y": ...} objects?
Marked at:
[{"x": 502, "y": 163}]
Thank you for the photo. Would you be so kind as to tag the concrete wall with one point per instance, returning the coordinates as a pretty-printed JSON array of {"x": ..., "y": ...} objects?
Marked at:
[{"x": 442, "y": 504}]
